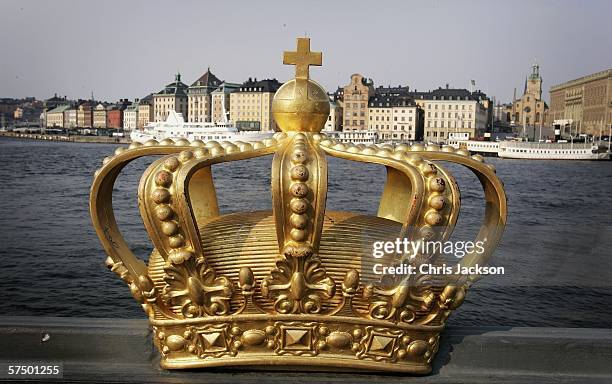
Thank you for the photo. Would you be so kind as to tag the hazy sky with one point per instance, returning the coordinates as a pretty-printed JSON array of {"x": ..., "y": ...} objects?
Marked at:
[{"x": 127, "y": 49}]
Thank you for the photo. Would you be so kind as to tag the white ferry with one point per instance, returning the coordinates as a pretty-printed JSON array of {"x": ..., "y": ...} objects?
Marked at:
[
  {"x": 355, "y": 137},
  {"x": 175, "y": 127},
  {"x": 551, "y": 151},
  {"x": 534, "y": 150}
]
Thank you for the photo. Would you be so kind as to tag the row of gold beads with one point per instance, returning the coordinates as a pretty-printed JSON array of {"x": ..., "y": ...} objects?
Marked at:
[
  {"x": 215, "y": 148},
  {"x": 300, "y": 204},
  {"x": 162, "y": 197}
]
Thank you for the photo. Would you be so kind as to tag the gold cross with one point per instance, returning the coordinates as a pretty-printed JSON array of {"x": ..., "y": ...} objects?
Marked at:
[{"x": 302, "y": 58}]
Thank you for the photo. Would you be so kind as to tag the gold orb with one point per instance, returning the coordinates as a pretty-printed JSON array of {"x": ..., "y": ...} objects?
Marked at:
[{"x": 300, "y": 105}]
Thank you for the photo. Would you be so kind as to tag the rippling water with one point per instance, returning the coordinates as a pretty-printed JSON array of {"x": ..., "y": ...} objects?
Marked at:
[{"x": 556, "y": 250}]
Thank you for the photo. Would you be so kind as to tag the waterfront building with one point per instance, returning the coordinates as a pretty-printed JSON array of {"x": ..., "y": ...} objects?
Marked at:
[
  {"x": 55, "y": 117},
  {"x": 172, "y": 98},
  {"x": 334, "y": 120},
  {"x": 50, "y": 104},
  {"x": 355, "y": 98},
  {"x": 453, "y": 111},
  {"x": 84, "y": 116},
  {"x": 18, "y": 113},
  {"x": 54, "y": 102},
  {"x": 99, "y": 116},
  {"x": 145, "y": 111},
  {"x": 529, "y": 110},
  {"x": 114, "y": 116},
  {"x": 394, "y": 117},
  {"x": 221, "y": 101},
  {"x": 585, "y": 103},
  {"x": 130, "y": 116},
  {"x": 70, "y": 118},
  {"x": 251, "y": 105},
  {"x": 200, "y": 98}
]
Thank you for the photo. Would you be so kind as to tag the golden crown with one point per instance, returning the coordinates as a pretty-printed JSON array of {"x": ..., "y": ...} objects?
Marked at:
[{"x": 293, "y": 286}]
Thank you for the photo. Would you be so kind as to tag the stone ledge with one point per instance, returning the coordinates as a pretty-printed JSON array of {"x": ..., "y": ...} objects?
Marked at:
[{"x": 120, "y": 350}]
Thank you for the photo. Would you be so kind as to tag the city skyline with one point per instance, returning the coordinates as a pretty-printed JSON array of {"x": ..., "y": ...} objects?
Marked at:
[{"x": 68, "y": 47}]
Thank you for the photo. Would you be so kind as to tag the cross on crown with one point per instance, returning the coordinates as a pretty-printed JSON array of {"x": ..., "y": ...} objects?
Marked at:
[{"x": 302, "y": 58}]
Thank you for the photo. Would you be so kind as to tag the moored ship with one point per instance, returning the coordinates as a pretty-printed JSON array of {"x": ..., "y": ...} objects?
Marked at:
[
  {"x": 510, "y": 149},
  {"x": 552, "y": 151},
  {"x": 175, "y": 126}
]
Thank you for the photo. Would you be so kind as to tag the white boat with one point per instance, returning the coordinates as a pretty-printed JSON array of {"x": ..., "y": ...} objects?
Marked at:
[
  {"x": 510, "y": 149},
  {"x": 487, "y": 148},
  {"x": 551, "y": 151},
  {"x": 354, "y": 137},
  {"x": 175, "y": 127}
]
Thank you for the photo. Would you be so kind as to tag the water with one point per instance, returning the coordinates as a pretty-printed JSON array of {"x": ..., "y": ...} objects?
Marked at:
[{"x": 556, "y": 249}]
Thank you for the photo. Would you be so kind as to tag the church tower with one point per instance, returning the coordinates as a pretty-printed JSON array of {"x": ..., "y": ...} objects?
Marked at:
[{"x": 534, "y": 82}]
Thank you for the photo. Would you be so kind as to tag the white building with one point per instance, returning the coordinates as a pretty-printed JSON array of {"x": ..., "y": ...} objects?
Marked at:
[
  {"x": 130, "y": 116},
  {"x": 394, "y": 118},
  {"x": 70, "y": 118}
]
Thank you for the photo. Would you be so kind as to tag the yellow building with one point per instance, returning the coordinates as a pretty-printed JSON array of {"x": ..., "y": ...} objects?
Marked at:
[
  {"x": 585, "y": 103},
  {"x": 84, "y": 116},
  {"x": 55, "y": 117},
  {"x": 355, "y": 103},
  {"x": 99, "y": 116},
  {"x": 145, "y": 111},
  {"x": 172, "y": 98},
  {"x": 251, "y": 105},
  {"x": 449, "y": 112},
  {"x": 200, "y": 98}
]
